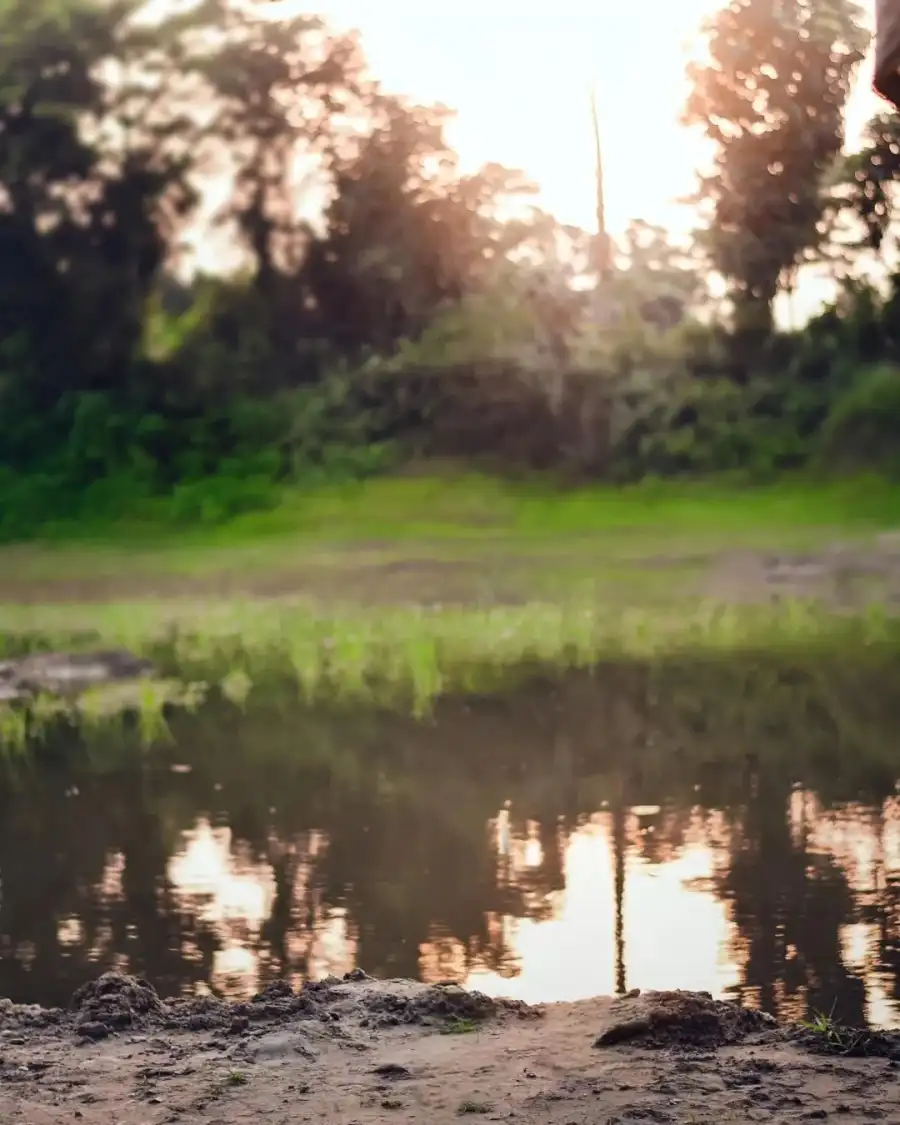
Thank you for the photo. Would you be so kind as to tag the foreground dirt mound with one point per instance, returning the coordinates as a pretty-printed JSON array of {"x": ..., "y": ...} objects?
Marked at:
[
  {"x": 345, "y": 1052},
  {"x": 686, "y": 1019},
  {"x": 116, "y": 1002}
]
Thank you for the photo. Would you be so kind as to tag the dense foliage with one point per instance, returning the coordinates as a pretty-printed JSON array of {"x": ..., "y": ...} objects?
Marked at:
[{"x": 380, "y": 303}]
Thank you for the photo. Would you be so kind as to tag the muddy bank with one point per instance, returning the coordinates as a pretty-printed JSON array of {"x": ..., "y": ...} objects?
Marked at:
[
  {"x": 359, "y": 1050},
  {"x": 68, "y": 673}
]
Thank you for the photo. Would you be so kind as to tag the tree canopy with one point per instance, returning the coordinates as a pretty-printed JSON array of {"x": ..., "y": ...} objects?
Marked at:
[{"x": 771, "y": 97}]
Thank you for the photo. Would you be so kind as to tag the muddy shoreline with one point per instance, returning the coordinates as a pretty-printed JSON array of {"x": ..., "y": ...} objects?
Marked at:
[{"x": 361, "y": 1050}]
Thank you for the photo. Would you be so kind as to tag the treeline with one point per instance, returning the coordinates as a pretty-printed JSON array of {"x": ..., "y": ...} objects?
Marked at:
[{"x": 376, "y": 302}]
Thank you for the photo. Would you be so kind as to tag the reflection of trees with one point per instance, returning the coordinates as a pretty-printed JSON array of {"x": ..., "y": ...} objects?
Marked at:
[
  {"x": 62, "y": 834},
  {"x": 390, "y": 820},
  {"x": 889, "y": 932},
  {"x": 618, "y": 835},
  {"x": 789, "y": 905}
]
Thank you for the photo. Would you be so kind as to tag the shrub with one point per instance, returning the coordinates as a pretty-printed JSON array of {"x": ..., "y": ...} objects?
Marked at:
[{"x": 863, "y": 425}]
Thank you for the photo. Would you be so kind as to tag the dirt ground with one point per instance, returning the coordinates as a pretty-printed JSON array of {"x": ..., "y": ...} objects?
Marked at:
[
  {"x": 847, "y": 573},
  {"x": 357, "y": 1051}
]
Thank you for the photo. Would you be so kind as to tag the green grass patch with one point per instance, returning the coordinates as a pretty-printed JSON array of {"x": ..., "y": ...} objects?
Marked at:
[
  {"x": 460, "y": 514},
  {"x": 463, "y": 539}
]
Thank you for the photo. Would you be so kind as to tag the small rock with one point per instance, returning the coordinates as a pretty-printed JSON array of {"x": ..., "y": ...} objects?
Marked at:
[
  {"x": 356, "y": 975},
  {"x": 622, "y": 1032},
  {"x": 92, "y": 1029},
  {"x": 392, "y": 1070}
]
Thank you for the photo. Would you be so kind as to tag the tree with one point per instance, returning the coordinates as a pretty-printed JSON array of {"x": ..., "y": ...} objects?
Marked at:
[
  {"x": 771, "y": 98},
  {"x": 869, "y": 176},
  {"x": 406, "y": 233},
  {"x": 87, "y": 211},
  {"x": 281, "y": 91}
]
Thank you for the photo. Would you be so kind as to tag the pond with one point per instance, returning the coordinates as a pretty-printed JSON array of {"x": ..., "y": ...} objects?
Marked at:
[{"x": 729, "y": 825}]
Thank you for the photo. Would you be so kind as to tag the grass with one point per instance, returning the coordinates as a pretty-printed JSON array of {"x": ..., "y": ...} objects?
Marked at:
[
  {"x": 464, "y": 517},
  {"x": 825, "y": 1026},
  {"x": 408, "y": 657},
  {"x": 398, "y": 591},
  {"x": 471, "y": 1106},
  {"x": 830, "y": 1035},
  {"x": 461, "y": 1027}
]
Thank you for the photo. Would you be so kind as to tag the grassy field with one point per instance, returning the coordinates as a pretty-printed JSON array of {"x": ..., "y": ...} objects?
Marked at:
[
  {"x": 368, "y": 541},
  {"x": 403, "y": 589}
]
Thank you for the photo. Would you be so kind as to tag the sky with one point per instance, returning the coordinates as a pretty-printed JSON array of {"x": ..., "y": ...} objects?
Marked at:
[{"x": 519, "y": 76}]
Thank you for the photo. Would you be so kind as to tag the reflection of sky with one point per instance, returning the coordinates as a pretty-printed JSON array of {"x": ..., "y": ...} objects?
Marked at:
[
  {"x": 868, "y": 857},
  {"x": 234, "y": 894},
  {"x": 676, "y": 932},
  {"x": 672, "y": 933}
]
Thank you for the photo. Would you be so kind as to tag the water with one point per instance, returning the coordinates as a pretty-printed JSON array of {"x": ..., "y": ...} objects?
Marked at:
[{"x": 733, "y": 827}]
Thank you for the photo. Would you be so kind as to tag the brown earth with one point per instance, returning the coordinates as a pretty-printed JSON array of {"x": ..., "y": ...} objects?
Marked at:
[{"x": 357, "y": 1051}]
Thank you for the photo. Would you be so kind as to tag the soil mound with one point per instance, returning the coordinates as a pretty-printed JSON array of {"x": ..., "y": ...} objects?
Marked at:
[
  {"x": 442, "y": 1004},
  {"x": 113, "y": 1002},
  {"x": 682, "y": 1019}
]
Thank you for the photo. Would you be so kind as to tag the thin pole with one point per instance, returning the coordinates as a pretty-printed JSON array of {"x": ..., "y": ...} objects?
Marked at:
[{"x": 604, "y": 262}]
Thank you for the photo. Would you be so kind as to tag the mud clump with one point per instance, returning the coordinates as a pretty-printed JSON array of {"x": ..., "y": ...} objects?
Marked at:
[
  {"x": 684, "y": 1019},
  {"x": 357, "y": 999},
  {"x": 14, "y": 1016},
  {"x": 441, "y": 1004},
  {"x": 114, "y": 1002},
  {"x": 275, "y": 1003}
]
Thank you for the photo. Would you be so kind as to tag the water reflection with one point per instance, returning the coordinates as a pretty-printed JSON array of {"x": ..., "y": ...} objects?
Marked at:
[
  {"x": 732, "y": 828},
  {"x": 235, "y": 896},
  {"x": 671, "y": 918}
]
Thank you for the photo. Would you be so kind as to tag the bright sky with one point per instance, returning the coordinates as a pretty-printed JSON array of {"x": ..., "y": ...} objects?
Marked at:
[{"x": 519, "y": 75}]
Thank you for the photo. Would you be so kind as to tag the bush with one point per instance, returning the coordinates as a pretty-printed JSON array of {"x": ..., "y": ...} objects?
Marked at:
[
  {"x": 213, "y": 500},
  {"x": 863, "y": 425},
  {"x": 202, "y": 433},
  {"x": 97, "y": 458}
]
